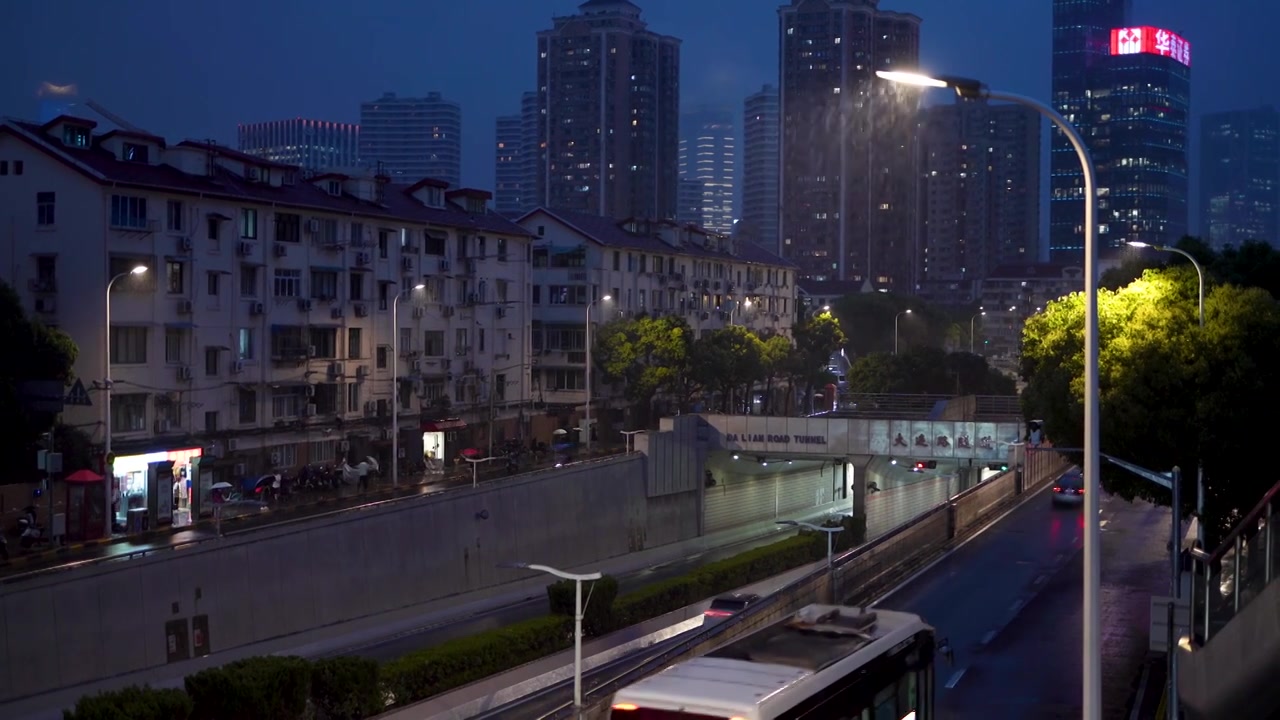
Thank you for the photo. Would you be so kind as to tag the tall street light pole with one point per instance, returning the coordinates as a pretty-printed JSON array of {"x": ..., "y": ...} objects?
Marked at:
[
  {"x": 578, "y": 579},
  {"x": 967, "y": 88},
  {"x": 395, "y": 382},
  {"x": 981, "y": 312},
  {"x": 895, "y": 329},
  {"x": 109, "y": 473},
  {"x": 1200, "y": 276},
  {"x": 586, "y": 423}
]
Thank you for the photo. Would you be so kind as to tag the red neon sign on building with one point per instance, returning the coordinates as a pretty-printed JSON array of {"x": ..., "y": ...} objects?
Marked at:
[{"x": 1151, "y": 41}]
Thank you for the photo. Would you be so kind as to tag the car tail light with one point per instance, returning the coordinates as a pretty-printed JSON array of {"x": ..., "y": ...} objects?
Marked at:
[
  {"x": 1057, "y": 489},
  {"x": 717, "y": 613},
  {"x": 626, "y": 706}
]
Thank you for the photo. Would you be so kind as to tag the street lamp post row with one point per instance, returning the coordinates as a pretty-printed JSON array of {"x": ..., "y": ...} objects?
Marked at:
[
  {"x": 981, "y": 312},
  {"x": 895, "y": 329},
  {"x": 1092, "y": 620},
  {"x": 109, "y": 472}
]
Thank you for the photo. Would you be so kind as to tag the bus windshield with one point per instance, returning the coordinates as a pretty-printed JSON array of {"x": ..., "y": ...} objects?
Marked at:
[{"x": 626, "y": 711}]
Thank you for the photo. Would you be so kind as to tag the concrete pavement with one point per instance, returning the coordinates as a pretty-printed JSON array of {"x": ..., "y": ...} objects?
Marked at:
[{"x": 1010, "y": 603}]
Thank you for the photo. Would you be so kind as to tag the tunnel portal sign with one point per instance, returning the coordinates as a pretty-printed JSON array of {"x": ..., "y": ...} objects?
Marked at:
[{"x": 808, "y": 440}]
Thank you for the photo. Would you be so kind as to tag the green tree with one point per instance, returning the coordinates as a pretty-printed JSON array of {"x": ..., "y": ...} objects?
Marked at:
[
  {"x": 868, "y": 319},
  {"x": 776, "y": 359},
  {"x": 33, "y": 353},
  {"x": 728, "y": 361},
  {"x": 928, "y": 371},
  {"x": 1171, "y": 394},
  {"x": 645, "y": 357},
  {"x": 817, "y": 337}
]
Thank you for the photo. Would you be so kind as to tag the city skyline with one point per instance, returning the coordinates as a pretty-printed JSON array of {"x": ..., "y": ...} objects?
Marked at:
[{"x": 724, "y": 62}]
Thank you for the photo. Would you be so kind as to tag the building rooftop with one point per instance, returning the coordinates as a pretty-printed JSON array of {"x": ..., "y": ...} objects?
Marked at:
[{"x": 811, "y": 640}]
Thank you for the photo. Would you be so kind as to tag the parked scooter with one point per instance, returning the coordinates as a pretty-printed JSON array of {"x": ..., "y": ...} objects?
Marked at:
[{"x": 30, "y": 532}]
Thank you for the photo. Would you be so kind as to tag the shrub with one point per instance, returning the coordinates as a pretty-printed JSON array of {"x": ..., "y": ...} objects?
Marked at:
[
  {"x": 346, "y": 688},
  {"x": 132, "y": 703},
  {"x": 598, "y": 597},
  {"x": 427, "y": 673},
  {"x": 261, "y": 688},
  {"x": 657, "y": 600}
]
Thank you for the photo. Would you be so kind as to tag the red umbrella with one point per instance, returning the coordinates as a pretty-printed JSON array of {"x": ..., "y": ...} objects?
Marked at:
[
  {"x": 83, "y": 476},
  {"x": 470, "y": 452}
]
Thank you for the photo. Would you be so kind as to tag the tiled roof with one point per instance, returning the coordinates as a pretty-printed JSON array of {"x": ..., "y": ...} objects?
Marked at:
[
  {"x": 611, "y": 233},
  {"x": 399, "y": 204}
]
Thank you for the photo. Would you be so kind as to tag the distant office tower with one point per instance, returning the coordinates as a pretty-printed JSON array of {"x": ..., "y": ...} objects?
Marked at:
[
  {"x": 981, "y": 195},
  {"x": 849, "y": 158},
  {"x": 1240, "y": 177},
  {"x": 760, "y": 132},
  {"x": 508, "y": 190},
  {"x": 1081, "y": 48},
  {"x": 413, "y": 138},
  {"x": 532, "y": 150},
  {"x": 608, "y": 96},
  {"x": 689, "y": 201},
  {"x": 1141, "y": 98},
  {"x": 313, "y": 145},
  {"x": 709, "y": 156}
]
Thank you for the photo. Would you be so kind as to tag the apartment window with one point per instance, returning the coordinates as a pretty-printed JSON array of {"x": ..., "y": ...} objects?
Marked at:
[
  {"x": 211, "y": 361},
  {"x": 353, "y": 343},
  {"x": 128, "y": 211},
  {"x": 406, "y": 341},
  {"x": 213, "y": 282},
  {"x": 433, "y": 244},
  {"x": 128, "y": 345},
  {"x": 44, "y": 208},
  {"x": 288, "y": 402},
  {"x": 564, "y": 380},
  {"x": 168, "y": 414},
  {"x": 288, "y": 227},
  {"x": 353, "y": 397},
  {"x": 175, "y": 345},
  {"x": 356, "y": 283},
  {"x": 75, "y": 136},
  {"x": 567, "y": 294},
  {"x": 17, "y": 167},
  {"x": 479, "y": 339},
  {"x": 501, "y": 287},
  {"x": 502, "y": 249},
  {"x": 460, "y": 340},
  {"x": 284, "y": 455},
  {"x": 325, "y": 341},
  {"x": 384, "y": 243},
  {"x": 288, "y": 283},
  {"x": 4, "y": 167},
  {"x": 211, "y": 421},
  {"x": 566, "y": 339},
  {"x": 286, "y": 341},
  {"x": 357, "y": 234},
  {"x": 536, "y": 295},
  {"x": 47, "y": 271},
  {"x": 500, "y": 387},
  {"x": 173, "y": 215},
  {"x": 175, "y": 277},
  {"x": 617, "y": 260},
  {"x": 249, "y": 223},
  {"x": 128, "y": 413},
  {"x": 248, "y": 281},
  {"x": 433, "y": 343},
  {"x": 327, "y": 398},
  {"x": 247, "y": 406},
  {"x": 382, "y": 352},
  {"x": 328, "y": 234},
  {"x": 213, "y": 228},
  {"x": 324, "y": 284},
  {"x": 246, "y": 346}
]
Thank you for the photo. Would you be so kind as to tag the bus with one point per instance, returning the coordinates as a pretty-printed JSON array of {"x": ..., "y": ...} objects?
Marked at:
[{"x": 825, "y": 662}]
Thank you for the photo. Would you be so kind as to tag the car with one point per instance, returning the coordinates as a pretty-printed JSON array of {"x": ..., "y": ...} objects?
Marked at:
[
  {"x": 1069, "y": 489},
  {"x": 727, "y": 606}
]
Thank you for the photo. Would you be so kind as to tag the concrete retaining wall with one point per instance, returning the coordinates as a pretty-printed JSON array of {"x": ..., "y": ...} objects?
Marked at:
[{"x": 111, "y": 619}]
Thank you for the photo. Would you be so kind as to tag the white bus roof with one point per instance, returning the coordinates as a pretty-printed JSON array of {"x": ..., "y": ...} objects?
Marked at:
[{"x": 776, "y": 666}]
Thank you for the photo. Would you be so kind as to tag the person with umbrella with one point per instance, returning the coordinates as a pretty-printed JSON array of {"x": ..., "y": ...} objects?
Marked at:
[{"x": 218, "y": 494}]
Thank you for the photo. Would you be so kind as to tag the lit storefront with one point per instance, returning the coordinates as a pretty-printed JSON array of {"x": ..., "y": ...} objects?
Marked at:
[
  {"x": 441, "y": 442},
  {"x": 155, "y": 489}
]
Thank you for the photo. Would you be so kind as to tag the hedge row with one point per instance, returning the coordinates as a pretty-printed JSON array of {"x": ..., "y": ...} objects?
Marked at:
[{"x": 288, "y": 688}]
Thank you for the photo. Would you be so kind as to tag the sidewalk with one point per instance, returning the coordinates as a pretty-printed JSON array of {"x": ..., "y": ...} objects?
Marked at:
[{"x": 346, "y": 637}]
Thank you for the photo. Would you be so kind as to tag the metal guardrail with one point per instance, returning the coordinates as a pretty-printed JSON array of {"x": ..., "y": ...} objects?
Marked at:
[
  {"x": 869, "y": 568},
  {"x": 73, "y": 565}
]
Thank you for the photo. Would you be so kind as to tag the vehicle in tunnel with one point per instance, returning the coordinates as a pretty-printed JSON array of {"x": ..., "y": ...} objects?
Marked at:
[{"x": 727, "y": 606}]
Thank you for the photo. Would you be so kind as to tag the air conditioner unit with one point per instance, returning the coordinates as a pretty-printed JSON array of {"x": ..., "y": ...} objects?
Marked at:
[
  {"x": 256, "y": 308},
  {"x": 362, "y": 310},
  {"x": 501, "y": 312},
  {"x": 311, "y": 352},
  {"x": 233, "y": 445},
  {"x": 184, "y": 372},
  {"x": 237, "y": 367},
  {"x": 444, "y": 266},
  {"x": 310, "y": 391},
  {"x": 184, "y": 307},
  {"x": 239, "y": 469},
  {"x": 244, "y": 249},
  {"x": 415, "y": 366},
  {"x": 446, "y": 363},
  {"x": 184, "y": 245},
  {"x": 344, "y": 446},
  {"x": 472, "y": 264},
  {"x": 406, "y": 263},
  {"x": 304, "y": 304},
  {"x": 336, "y": 313},
  {"x": 281, "y": 250},
  {"x": 362, "y": 258},
  {"x": 362, "y": 372},
  {"x": 313, "y": 225},
  {"x": 275, "y": 458},
  {"x": 336, "y": 370},
  {"x": 310, "y": 411}
]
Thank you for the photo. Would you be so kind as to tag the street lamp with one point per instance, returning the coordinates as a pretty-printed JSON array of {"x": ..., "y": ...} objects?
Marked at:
[
  {"x": 475, "y": 479},
  {"x": 106, "y": 384},
  {"x": 1200, "y": 276},
  {"x": 967, "y": 88},
  {"x": 395, "y": 383},
  {"x": 831, "y": 533},
  {"x": 578, "y": 579},
  {"x": 895, "y": 329},
  {"x": 981, "y": 312},
  {"x": 586, "y": 425}
]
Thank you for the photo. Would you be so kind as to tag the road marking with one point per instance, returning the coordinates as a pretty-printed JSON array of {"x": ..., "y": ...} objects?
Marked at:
[
  {"x": 1040, "y": 579},
  {"x": 955, "y": 679},
  {"x": 1015, "y": 607},
  {"x": 991, "y": 635},
  {"x": 1103, "y": 523}
]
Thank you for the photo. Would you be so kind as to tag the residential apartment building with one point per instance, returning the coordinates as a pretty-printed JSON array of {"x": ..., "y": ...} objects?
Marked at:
[
  {"x": 260, "y": 336},
  {"x": 1012, "y": 293},
  {"x": 709, "y": 156},
  {"x": 761, "y": 134},
  {"x": 656, "y": 268},
  {"x": 849, "y": 157},
  {"x": 980, "y": 198},
  {"x": 1240, "y": 177},
  {"x": 609, "y": 118},
  {"x": 313, "y": 145},
  {"x": 412, "y": 138}
]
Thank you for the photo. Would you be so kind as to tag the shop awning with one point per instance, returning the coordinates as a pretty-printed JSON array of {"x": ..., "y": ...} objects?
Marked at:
[{"x": 443, "y": 425}]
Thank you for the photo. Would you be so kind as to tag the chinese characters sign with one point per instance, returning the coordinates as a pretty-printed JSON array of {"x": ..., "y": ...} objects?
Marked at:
[{"x": 1151, "y": 41}]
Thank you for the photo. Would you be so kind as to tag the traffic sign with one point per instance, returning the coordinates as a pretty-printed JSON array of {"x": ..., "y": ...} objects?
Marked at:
[{"x": 78, "y": 395}]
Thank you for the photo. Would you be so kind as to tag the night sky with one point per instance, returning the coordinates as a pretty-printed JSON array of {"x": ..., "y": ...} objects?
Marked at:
[{"x": 185, "y": 68}]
